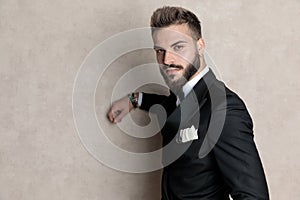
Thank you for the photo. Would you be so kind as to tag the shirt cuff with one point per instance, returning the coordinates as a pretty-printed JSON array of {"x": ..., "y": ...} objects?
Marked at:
[{"x": 140, "y": 99}]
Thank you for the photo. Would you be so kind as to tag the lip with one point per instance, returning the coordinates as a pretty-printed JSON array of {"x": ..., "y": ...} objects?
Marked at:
[{"x": 172, "y": 71}]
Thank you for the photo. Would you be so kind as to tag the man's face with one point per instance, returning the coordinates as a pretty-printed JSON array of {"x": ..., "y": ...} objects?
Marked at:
[{"x": 177, "y": 55}]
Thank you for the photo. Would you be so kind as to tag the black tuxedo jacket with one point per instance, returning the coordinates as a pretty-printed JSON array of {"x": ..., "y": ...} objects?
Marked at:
[{"x": 223, "y": 160}]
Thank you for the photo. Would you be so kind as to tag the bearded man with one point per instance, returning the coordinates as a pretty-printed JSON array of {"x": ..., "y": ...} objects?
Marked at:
[{"x": 216, "y": 162}]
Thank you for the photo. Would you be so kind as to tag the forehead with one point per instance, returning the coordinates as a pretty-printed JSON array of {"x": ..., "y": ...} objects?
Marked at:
[{"x": 172, "y": 34}]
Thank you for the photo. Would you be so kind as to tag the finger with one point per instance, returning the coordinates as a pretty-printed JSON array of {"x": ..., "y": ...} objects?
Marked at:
[
  {"x": 120, "y": 116},
  {"x": 114, "y": 113},
  {"x": 110, "y": 116}
]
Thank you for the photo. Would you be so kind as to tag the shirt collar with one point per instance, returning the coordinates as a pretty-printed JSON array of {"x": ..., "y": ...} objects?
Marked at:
[{"x": 191, "y": 83}]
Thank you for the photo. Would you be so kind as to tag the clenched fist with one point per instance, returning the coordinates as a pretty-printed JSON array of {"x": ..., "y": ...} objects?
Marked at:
[{"x": 119, "y": 109}]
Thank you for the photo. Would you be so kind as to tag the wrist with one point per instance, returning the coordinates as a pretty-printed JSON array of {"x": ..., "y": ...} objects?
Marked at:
[{"x": 133, "y": 99}]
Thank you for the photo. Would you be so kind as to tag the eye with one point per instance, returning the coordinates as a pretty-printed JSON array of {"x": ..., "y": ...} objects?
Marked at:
[
  {"x": 178, "y": 47},
  {"x": 160, "y": 51}
]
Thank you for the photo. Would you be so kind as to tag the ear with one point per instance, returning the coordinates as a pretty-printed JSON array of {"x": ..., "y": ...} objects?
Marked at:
[{"x": 200, "y": 46}]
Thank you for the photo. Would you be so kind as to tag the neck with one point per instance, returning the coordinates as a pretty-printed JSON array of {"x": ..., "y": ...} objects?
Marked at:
[{"x": 202, "y": 66}]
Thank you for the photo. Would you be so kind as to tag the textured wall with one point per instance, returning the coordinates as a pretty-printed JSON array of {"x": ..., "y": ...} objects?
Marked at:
[{"x": 255, "y": 45}]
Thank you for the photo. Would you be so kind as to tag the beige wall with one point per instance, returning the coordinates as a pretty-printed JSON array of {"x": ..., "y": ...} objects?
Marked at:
[{"x": 255, "y": 45}]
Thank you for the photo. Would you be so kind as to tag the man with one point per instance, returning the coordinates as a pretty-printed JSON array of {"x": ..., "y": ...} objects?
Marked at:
[{"x": 216, "y": 162}]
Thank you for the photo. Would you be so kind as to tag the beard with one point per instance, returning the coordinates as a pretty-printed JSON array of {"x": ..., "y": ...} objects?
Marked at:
[{"x": 176, "y": 84}]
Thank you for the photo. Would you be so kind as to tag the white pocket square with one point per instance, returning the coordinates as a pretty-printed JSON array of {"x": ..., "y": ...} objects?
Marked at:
[{"x": 187, "y": 134}]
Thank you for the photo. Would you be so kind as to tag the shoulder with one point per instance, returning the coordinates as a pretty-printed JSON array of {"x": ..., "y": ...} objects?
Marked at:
[
  {"x": 227, "y": 104},
  {"x": 221, "y": 95}
]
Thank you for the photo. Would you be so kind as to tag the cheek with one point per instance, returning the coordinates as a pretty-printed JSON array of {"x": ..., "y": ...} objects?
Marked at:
[
  {"x": 186, "y": 57},
  {"x": 160, "y": 59}
]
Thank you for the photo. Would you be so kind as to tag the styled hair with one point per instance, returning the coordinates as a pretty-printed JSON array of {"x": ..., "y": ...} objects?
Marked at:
[{"x": 166, "y": 16}]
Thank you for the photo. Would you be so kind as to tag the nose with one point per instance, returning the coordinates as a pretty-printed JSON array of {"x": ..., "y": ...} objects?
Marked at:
[{"x": 169, "y": 58}]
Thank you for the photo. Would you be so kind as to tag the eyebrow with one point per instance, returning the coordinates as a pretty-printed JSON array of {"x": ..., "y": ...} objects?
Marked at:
[
  {"x": 157, "y": 47},
  {"x": 181, "y": 41}
]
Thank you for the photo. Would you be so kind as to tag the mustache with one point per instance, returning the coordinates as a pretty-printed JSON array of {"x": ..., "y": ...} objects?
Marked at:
[{"x": 165, "y": 67}]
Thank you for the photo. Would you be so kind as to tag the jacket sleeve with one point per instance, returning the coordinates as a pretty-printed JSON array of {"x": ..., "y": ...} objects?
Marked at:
[
  {"x": 149, "y": 100},
  {"x": 237, "y": 156}
]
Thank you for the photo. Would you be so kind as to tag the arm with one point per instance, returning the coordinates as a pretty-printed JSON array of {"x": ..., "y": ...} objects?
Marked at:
[
  {"x": 123, "y": 106},
  {"x": 151, "y": 99},
  {"x": 237, "y": 156}
]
